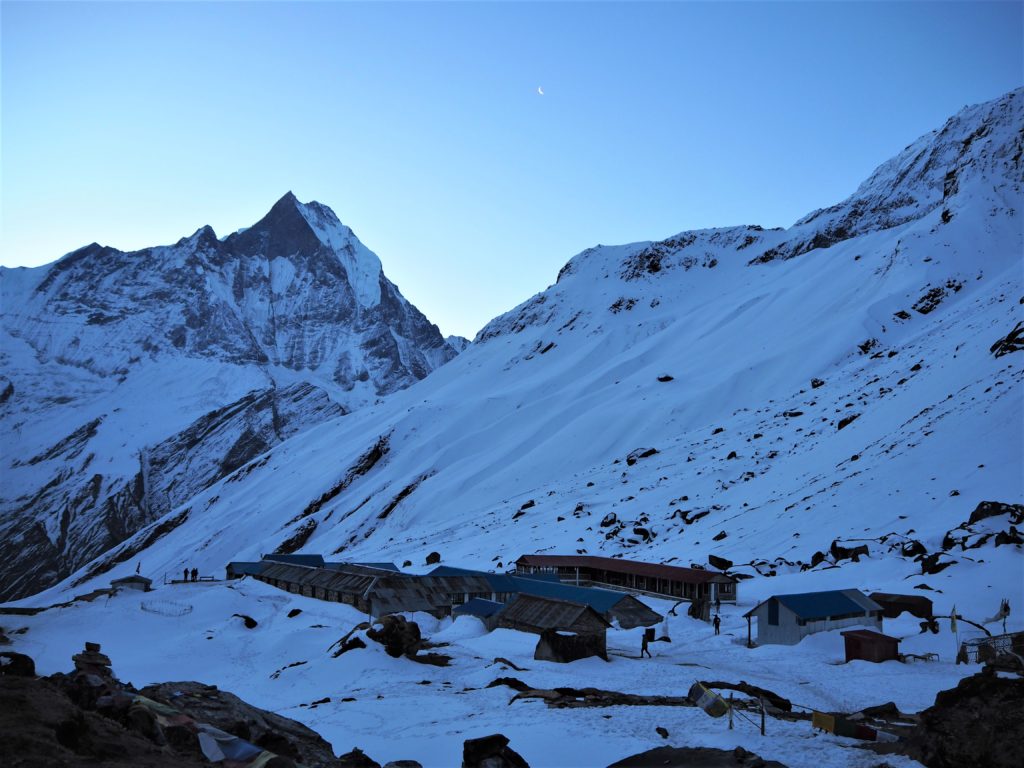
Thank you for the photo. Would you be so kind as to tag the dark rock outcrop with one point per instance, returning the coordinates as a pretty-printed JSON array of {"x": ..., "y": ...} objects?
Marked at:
[
  {"x": 224, "y": 710},
  {"x": 565, "y": 647},
  {"x": 695, "y": 757},
  {"x": 17, "y": 664},
  {"x": 399, "y": 636},
  {"x": 491, "y": 752},
  {"x": 978, "y": 723}
]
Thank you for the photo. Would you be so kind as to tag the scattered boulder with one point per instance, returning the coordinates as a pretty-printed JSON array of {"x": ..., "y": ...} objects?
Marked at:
[
  {"x": 986, "y": 509},
  {"x": 610, "y": 519},
  {"x": 17, "y": 664},
  {"x": 840, "y": 552},
  {"x": 490, "y": 752},
  {"x": 294, "y": 612},
  {"x": 719, "y": 536},
  {"x": 249, "y": 621},
  {"x": 1011, "y": 342},
  {"x": 399, "y": 636},
  {"x": 815, "y": 383},
  {"x": 566, "y": 647},
  {"x": 640, "y": 453},
  {"x": 847, "y": 420},
  {"x": 661, "y": 732},
  {"x": 720, "y": 563},
  {"x": 433, "y": 558},
  {"x": 528, "y": 505},
  {"x": 356, "y": 759},
  {"x": 665, "y": 378}
]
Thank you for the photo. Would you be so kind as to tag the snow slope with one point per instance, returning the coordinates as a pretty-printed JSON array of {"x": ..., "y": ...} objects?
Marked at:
[
  {"x": 398, "y": 709},
  {"x": 114, "y": 361},
  {"x": 844, "y": 394}
]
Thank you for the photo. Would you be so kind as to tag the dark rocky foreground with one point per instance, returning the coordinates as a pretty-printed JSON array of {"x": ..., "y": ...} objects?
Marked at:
[
  {"x": 696, "y": 757},
  {"x": 89, "y": 718},
  {"x": 978, "y": 723}
]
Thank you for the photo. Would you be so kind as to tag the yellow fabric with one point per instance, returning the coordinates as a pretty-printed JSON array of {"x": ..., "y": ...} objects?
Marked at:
[{"x": 823, "y": 721}]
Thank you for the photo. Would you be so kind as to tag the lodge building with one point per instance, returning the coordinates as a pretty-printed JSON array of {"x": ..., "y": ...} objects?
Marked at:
[{"x": 669, "y": 581}]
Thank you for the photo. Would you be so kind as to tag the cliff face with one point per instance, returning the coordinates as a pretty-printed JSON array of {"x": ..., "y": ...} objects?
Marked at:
[{"x": 133, "y": 380}]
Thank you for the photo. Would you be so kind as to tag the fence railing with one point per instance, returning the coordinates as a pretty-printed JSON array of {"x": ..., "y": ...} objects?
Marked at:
[{"x": 166, "y": 607}]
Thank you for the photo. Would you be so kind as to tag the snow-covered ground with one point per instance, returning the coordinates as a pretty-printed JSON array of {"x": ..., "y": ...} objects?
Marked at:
[{"x": 403, "y": 709}]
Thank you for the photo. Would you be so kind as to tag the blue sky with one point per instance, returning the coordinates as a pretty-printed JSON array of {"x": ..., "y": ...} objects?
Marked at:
[{"x": 420, "y": 124}]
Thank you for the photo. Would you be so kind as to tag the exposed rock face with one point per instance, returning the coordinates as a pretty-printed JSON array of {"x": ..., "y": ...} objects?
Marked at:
[
  {"x": 978, "y": 723},
  {"x": 564, "y": 648},
  {"x": 208, "y": 704},
  {"x": 133, "y": 381},
  {"x": 42, "y": 727},
  {"x": 491, "y": 752},
  {"x": 399, "y": 636}
]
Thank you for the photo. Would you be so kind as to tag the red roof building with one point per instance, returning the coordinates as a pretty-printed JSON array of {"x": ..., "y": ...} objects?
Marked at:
[
  {"x": 868, "y": 645},
  {"x": 667, "y": 580}
]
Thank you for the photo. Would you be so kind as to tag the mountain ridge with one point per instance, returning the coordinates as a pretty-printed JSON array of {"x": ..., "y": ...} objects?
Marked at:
[
  {"x": 792, "y": 404},
  {"x": 116, "y": 353}
]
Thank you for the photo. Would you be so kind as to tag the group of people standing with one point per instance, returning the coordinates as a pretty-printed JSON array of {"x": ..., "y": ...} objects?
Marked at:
[{"x": 194, "y": 573}]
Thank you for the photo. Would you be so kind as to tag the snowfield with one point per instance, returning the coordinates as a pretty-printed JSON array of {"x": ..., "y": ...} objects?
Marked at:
[{"x": 404, "y": 709}]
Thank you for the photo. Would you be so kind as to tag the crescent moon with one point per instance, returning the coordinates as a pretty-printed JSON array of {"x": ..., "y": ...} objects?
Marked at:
[{"x": 540, "y": 91}]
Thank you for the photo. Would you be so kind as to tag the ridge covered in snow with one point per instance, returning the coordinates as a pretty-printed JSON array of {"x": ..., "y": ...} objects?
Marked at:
[
  {"x": 131, "y": 381},
  {"x": 772, "y": 397}
]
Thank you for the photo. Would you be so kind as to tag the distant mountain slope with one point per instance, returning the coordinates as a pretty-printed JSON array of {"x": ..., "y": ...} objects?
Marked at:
[
  {"x": 773, "y": 397},
  {"x": 131, "y": 381}
]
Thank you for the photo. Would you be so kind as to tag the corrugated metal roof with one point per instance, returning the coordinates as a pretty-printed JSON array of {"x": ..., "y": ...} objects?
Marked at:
[
  {"x": 821, "y": 605},
  {"x": 312, "y": 561},
  {"x": 498, "y": 582},
  {"x": 601, "y": 600},
  {"x": 547, "y": 613},
  {"x": 653, "y": 570},
  {"x": 379, "y": 566},
  {"x": 478, "y": 607}
]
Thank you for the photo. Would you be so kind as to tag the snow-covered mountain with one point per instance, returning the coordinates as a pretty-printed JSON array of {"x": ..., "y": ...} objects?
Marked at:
[
  {"x": 772, "y": 397},
  {"x": 132, "y": 381}
]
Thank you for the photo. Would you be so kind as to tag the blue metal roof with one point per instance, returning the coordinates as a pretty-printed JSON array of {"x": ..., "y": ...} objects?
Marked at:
[
  {"x": 312, "y": 561},
  {"x": 379, "y": 566},
  {"x": 478, "y": 607},
  {"x": 820, "y": 605},
  {"x": 247, "y": 569},
  {"x": 499, "y": 582},
  {"x": 601, "y": 600}
]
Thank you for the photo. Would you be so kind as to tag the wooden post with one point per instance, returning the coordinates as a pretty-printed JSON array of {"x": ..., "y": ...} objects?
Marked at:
[
  {"x": 762, "y": 715},
  {"x": 750, "y": 644},
  {"x": 730, "y": 710}
]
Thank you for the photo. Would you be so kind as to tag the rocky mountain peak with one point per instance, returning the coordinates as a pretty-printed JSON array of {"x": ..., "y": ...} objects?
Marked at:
[{"x": 282, "y": 233}]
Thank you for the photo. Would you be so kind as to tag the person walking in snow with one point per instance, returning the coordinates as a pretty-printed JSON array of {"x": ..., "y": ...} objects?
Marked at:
[
  {"x": 185, "y": 577},
  {"x": 718, "y": 623},
  {"x": 195, "y": 574},
  {"x": 643, "y": 647}
]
